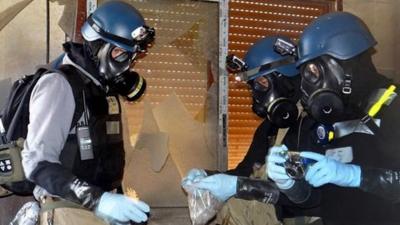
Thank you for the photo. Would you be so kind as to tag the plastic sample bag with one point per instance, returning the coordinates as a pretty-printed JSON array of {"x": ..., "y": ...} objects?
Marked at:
[
  {"x": 203, "y": 206},
  {"x": 27, "y": 215}
]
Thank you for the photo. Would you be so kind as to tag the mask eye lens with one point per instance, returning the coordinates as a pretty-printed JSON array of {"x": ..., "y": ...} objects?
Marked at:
[
  {"x": 261, "y": 83},
  {"x": 121, "y": 58},
  {"x": 120, "y": 55},
  {"x": 312, "y": 72}
]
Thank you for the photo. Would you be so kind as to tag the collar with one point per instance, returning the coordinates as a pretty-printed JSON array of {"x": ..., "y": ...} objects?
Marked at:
[
  {"x": 67, "y": 61},
  {"x": 348, "y": 127}
]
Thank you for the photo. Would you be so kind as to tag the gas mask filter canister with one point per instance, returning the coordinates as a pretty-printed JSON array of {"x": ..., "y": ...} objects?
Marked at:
[{"x": 128, "y": 84}]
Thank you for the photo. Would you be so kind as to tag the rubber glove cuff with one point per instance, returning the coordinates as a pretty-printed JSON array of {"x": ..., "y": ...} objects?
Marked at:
[
  {"x": 232, "y": 188},
  {"x": 355, "y": 178},
  {"x": 285, "y": 185}
]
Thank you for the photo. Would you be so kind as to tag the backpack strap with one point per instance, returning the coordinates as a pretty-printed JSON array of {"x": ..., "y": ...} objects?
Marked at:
[
  {"x": 77, "y": 83},
  {"x": 14, "y": 118}
]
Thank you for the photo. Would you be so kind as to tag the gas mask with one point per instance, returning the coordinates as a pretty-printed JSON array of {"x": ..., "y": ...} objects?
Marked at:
[
  {"x": 274, "y": 97},
  {"x": 114, "y": 64},
  {"x": 325, "y": 89},
  {"x": 113, "y": 61}
]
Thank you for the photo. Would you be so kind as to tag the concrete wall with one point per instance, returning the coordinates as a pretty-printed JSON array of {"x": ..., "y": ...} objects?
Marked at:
[
  {"x": 383, "y": 19},
  {"x": 23, "y": 40}
]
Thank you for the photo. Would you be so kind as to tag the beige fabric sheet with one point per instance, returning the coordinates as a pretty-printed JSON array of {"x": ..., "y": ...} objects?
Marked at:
[
  {"x": 187, "y": 141},
  {"x": 170, "y": 143}
]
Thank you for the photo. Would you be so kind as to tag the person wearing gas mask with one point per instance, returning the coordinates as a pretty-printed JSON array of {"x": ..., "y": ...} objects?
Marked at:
[
  {"x": 274, "y": 83},
  {"x": 74, "y": 151},
  {"x": 351, "y": 133}
]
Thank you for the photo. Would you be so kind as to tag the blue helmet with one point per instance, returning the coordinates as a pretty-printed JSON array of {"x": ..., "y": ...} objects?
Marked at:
[
  {"x": 341, "y": 35},
  {"x": 274, "y": 95},
  {"x": 262, "y": 52},
  {"x": 120, "y": 24}
]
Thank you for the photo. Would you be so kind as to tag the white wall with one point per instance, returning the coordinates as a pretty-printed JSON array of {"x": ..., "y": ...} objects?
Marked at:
[
  {"x": 383, "y": 19},
  {"x": 23, "y": 40}
]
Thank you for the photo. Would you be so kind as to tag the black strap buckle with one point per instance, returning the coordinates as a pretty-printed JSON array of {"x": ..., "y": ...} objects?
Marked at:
[
  {"x": 370, "y": 123},
  {"x": 365, "y": 119}
]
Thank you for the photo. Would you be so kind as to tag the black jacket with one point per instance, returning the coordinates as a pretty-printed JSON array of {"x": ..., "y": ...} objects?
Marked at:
[
  {"x": 258, "y": 149},
  {"x": 377, "y": 200}
]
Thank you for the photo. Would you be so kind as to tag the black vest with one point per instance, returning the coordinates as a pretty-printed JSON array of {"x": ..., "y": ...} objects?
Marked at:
[{"x": 106, "y": 169}]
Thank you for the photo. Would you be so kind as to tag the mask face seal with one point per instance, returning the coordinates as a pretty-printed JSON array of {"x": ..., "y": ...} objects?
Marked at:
[
  {"x": 272, "y": 99},
  {"x": 325, "y": 89},
  {"x": 129, "y": 84},
  {"x": 113, "y": 61}
]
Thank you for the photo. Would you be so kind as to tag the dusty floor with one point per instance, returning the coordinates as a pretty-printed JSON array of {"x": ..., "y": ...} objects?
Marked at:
[{"x": 169, "y": 216}]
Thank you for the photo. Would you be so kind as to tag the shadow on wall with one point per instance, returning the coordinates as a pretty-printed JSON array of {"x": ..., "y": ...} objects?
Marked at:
[
  {"x": 5, "y": 86},
  {"x": 382, "y": 18}
]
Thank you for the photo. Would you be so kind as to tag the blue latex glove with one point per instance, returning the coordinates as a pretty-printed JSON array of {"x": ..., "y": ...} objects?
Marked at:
[
  {"x": 117, "y": 208},
  {"x": 222, "y": 186},
  {"x": 275, "y": 169},
  {"x": 194, "y": 175},
  {"x": 327, "y": 170}
]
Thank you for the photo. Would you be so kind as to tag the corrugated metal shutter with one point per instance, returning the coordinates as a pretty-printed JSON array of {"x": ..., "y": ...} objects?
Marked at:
[
  {"x": 248, "y": 22},
  {"x": 186, "y": 42}
]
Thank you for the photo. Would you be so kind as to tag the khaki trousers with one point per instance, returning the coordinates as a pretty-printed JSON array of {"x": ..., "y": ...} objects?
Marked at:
[
  {"x": 70, "y": 216},
  {"x": 4, "y": 192},
  {"x": 243, "y": 212},
  {"x": 59, "y": 212}
]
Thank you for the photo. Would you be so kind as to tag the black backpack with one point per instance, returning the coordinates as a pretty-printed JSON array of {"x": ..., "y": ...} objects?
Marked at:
[{"x": 15, "y": 112}]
